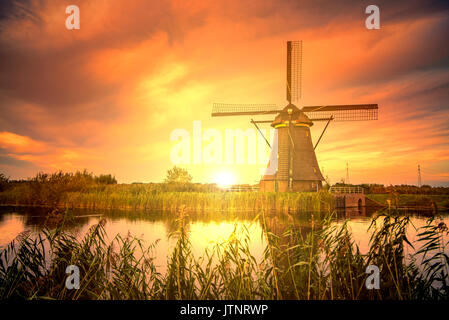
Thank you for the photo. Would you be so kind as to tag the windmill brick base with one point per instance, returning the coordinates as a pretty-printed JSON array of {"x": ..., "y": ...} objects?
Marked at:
[{"x": 283, "y": 186}]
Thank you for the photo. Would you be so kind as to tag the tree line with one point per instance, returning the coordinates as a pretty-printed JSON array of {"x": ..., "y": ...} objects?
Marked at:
[{"x": 400, "y": 189}]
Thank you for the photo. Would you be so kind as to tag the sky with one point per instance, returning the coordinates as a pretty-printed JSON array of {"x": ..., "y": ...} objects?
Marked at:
[{"x": 108, "y": 97}]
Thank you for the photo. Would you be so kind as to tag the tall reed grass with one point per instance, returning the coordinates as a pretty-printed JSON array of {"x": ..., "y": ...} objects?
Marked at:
[
  {"x": 120, "y": 197},
  {"x": 154, "y": 198},
  {"x": 320, "y": 263}
]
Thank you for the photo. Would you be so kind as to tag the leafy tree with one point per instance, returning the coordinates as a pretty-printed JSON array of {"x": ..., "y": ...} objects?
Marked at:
[
  {"x": 105, "y": 179},
  {"x": 3, "y": 182},
  {"x": 178, "y": 175}
]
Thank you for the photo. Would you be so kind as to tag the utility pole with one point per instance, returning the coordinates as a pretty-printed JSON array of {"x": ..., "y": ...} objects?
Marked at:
[
  {"x": 419, "y": 176},
  {"x": 347, "y": 173}
]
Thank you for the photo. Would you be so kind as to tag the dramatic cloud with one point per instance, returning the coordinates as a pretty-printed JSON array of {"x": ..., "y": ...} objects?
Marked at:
[{"x": 106, "y": 97}]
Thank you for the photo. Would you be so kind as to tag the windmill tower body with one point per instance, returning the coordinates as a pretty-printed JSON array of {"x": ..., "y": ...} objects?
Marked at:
[{"x": 295, "y": 151}]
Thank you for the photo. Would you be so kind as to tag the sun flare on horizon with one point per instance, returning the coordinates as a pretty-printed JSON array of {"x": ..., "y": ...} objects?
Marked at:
[{"x": 225, "y": 179}]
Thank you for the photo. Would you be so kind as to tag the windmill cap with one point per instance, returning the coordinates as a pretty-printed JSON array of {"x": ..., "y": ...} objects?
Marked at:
[{"x": 297, "y": 116}]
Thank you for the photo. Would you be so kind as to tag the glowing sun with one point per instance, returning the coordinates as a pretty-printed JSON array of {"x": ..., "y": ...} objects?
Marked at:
[{"x": 224, "y": 179}]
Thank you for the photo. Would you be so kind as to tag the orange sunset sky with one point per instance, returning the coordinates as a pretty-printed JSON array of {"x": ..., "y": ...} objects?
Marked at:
[{"x": 106, "y": 97}]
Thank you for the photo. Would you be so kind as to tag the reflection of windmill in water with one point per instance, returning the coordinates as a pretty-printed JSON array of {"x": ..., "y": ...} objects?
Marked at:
[{"x": 293, "y": 165}]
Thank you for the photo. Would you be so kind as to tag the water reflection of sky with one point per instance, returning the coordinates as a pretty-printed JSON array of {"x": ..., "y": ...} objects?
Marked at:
[
  {"x": 204, "y": 231},
  {"x": 359, "y": 227}
]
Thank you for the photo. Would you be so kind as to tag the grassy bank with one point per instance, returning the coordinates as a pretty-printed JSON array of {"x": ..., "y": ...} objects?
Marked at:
[
  {"x": 155, "y": 198},
  {"x": 125, "y": 198},
  {"x": 324, "y": 263},
  {"x": 442, "y": 201}
]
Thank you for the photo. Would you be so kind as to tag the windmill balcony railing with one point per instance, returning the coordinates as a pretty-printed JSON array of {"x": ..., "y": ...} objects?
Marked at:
[
  {"x": 241, "y": 188},
  {"x": 340, "y": 190}
]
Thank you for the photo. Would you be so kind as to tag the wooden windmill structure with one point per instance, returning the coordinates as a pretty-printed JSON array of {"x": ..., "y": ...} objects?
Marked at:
[{"x": 293, "y": 164}]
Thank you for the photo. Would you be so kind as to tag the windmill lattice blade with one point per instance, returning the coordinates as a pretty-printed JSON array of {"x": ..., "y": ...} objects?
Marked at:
[
  {"x": 227, "y": 109},
  {"x": 355, "y": 112},
  {"x": 294, "y": 70}
]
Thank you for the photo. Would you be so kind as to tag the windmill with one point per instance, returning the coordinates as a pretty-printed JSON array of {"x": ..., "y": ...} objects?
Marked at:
[{"x": 293, "y": 164}]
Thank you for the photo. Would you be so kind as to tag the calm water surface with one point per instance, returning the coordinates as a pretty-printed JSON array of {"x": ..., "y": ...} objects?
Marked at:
[{"x": 205, "y": 230}]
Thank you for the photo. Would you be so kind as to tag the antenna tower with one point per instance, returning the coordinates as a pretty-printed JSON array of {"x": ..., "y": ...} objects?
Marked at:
[
  {"x": 419, "y": 176},
  {"x": 347, "y": 173}
]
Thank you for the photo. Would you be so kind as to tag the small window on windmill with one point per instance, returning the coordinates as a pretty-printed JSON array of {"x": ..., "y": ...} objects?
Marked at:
[
  {"x": 314, "y": 170},
  {"x": 307, "y": 133}
]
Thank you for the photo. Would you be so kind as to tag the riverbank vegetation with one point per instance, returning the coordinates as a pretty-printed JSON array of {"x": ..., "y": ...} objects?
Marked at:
[
  {"x": 400, "y": 189},
  {"x": 412, "y": 200},
  {"x": 153, "y": 197},
  {"x": 322, "y": 263},
  {"x": 84, "y": 190}
]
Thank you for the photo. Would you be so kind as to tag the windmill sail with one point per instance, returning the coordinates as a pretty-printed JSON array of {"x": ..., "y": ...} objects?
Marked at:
[
  {"x": 294, "y": 70},
  {"x": 228, "y": 109},
  {"x": 355, "y": 112}
]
